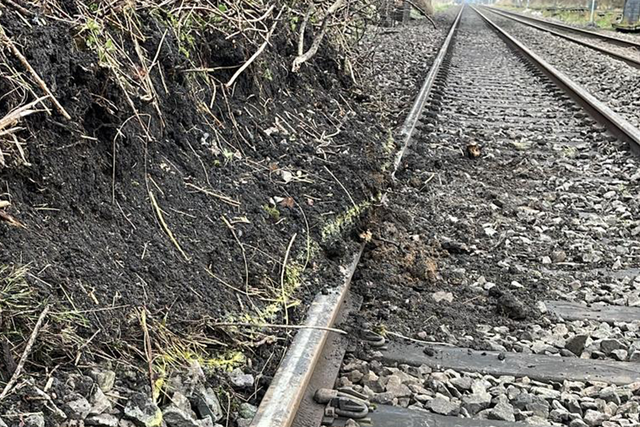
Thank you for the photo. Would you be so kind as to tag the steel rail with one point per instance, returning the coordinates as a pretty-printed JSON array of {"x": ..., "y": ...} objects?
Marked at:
[
  {"x": 616, "y": 124},
  {"x": 281, "y": 401},
  {"x": 409, "y": 125},
  {"x": 615, "y": 40},
  {"x": 628, "y": 59}
]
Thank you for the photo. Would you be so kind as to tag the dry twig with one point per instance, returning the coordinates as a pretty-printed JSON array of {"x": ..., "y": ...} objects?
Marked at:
[
  {"x": 258, "y": 52},
  {"x": 244, "y": 254},
  {"x": 6, "y": 40},
  {"x": 222, "y": 197},
  {"x": 282, "y": 275},
  {"x": 165, "y": 227},
  {"x": 148, "y": 350},
  {"x": 25, "y": 354}
]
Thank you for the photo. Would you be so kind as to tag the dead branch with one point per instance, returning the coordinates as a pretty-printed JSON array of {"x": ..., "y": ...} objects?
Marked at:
[
  {"x": 303, "y": 28},
  {"x": 423, "y": 13},
  {"x": 258, "y": 52},
  {"x": 59, "y": 413},
  {"x": 315, "y": 45},
  {"x": 25, "y": 354},
  {"x": 6, "y": 40}
]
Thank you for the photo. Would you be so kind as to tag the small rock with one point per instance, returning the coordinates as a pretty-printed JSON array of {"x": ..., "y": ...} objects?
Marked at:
[
  {"x": 541, "y": 307},
  {"x": 442, "y": 406},
  {"x": 102, "y": 420},
  {"x": 207, "y": 404},
  {"x": 539, "y": 408},
  {"x": 99, "y": 402},
  {"x": 474, "y": 403},
  {"x": 578, "y": 423},
  {"x": 628, "y": 408},
  {"x": 502, "y": 411},
  {"x": 576, "y": 344},
  {"x": 351, "y": 423},
  {"x": 633, "y": 299},
  {"x": 620, "y": 354},
  {"x": 105, "y": 379},
  {"x": 546, "y": 393},
  {"x": 608, "y": 394},
  {"x": 395, "y": 387},
  {"x": 442, "y": 296},
  {"x": 247, "y": 411},
  {"x": 79, "y": 408},
  {"x": 635, "y": 356},
  {"x": 372, "y": 381},
  {"x": 355, "y": 376},
  {"x": 241, "y": 380},
  {"x": 143, "y": 411},
  {"x": 33, "y": 420},
  {"x": 609, "y": 345},
  {"x": 179, "y": 413},
  {"x": 2, "y": 423},
  {"x": 462, "y": 383},
  {"x": 540, "y": 347},
  {"x": 508, "y": 304},
  {"x": 385, "y": 398},
  {"x": 404, "y": 402},
  {"x": 594, "y": 418},
  {"x": 559, "y": 416},
  {"x": 559, "y": 256}
]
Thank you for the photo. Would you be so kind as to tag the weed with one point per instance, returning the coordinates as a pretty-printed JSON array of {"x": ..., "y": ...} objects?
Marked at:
[
  {"x": 341, "y": 221},
  {"x": 272, "y": 211}
]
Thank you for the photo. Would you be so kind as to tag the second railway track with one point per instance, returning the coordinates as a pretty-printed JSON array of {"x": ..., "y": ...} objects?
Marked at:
[
  {"x": 623, "y": 50},
  {"x": 519, "y": 318}
]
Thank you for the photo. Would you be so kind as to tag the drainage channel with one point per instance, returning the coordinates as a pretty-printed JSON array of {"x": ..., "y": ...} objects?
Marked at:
[{"x": 409, "y": 382}]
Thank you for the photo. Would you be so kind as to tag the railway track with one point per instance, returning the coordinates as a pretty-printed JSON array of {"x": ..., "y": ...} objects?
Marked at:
[
  {"x": 498, "y": 121},
  {"x": 623, "y": 50}
]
